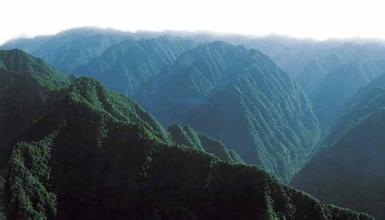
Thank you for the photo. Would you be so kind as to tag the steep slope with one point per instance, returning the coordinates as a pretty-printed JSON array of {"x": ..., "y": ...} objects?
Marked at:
[
  {"x": 126, "y": 67},
  {"x": 21, "y": 62},
  {"x": 89, "y": 92},
  {"x": 350, "y": 172},
  {"x": 367, "y": 100},
  {"x": 25, "y": 84},
  {"x": 330, "y": 59},
  {"x": 69, "y": 49},
  {"x": 338, "y": 87},
  {"x": 332, "y": 78},
  {"x": 241, "y": 98},
  {"x": 185, "y": 135},
  {"x": 96, "y": 155},
  {"x": 291, "y": 54}
]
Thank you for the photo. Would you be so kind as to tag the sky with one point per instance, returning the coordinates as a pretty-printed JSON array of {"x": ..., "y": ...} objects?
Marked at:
[{"x": 321, "y": 19}]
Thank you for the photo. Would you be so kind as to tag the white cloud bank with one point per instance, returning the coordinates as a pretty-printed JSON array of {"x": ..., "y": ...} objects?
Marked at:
[{"x": 298, "y": 18}]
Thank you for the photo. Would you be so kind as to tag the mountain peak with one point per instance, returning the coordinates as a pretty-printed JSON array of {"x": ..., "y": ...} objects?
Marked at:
[{"x": 19, "y": 61}]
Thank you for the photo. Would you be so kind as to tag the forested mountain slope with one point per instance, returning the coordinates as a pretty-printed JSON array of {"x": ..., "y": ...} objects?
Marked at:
[
  {"x": 366, "y": 101},
  {"x": 189, "y": 137},
  {"x": 128, "y": 66},
  {"x": 333, "y": 77},
  {"x": 69, "y": 49},
  {"x": 348, "y": 171},
  {"x": 81, "y": 151},
  {"x": 242, "y": 98},
  {"x": 25, "y": 84},
  {"x": 95, "y": 154}
]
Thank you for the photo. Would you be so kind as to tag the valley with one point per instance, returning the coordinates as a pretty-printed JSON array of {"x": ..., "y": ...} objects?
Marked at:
[{"x": 98, "y": 124}]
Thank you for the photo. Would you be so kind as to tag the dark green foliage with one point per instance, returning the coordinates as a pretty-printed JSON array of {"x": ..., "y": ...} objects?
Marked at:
[
  {"x": 25, "y": 84},
  {"x": 242, "y": 98},
  {"x": 107, "y": 166},
  {"x": 20, "y": 62},
  {"x": 187, "y": 136},
  {"x": 127, "y": 66},
  {"x": 225, "y": 191},
  {"x": 28, "y": 193},
  {"x": 171, "y": 78},
  {"x": 2, "y": 191},
  {"x": 89, "y": 92},
  {"x": 89, "y": 119},
  {"x": 349, "y": 170}
]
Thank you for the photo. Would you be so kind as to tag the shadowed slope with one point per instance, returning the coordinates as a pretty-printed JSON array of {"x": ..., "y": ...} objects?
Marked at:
[{"x": 84, "y": 159}]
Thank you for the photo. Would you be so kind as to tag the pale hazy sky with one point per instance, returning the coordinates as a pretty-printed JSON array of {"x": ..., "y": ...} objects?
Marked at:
[{"x": 319, "y": 19}]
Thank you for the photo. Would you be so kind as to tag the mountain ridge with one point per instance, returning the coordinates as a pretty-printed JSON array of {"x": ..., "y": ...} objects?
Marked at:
[
  {"x": 248, "y": 87},
  {"x": 163, "y": 180}
]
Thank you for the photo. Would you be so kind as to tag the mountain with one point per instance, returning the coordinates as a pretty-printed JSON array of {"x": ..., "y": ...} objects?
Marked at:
[
  {"x": 127, "y": 66},
  {"x": 291, "y": 54},
  {"x": 69, "y": 49},
  {"x": 185, "y": 135},
  {"x": 123, "y": 61},
  {"x": 330, "y": 71},
  {"x": 26, "y": 83},
  {"x": 333, "y": 78},
  {"x": 348, "y": 171},
  {"x": 330, "y": 59},
  {"x": 339, "y": 87},
  {"x": 241, "y": 98},
  {"x": 94, "y": 154},
  {"x": 366, "y": 101},
  {"x": 79, "y": 119}
]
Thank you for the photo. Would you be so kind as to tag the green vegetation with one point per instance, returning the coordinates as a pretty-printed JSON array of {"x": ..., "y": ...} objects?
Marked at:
[
  {"x": 69, "y": 49},
  {"x": 241, "y": 98},
  {"x": 79, "y": 151},
  {"x": 91, "y": 93},
  {"x": 172, "y": 77},
  {"x": 26, "y": 83},
  {"x": 28, "y": 192},
  {"x": 187, "y": 136},
  {"x": 129, "y": 65},
  {"x": 367, "y": 100},
  {"x": 93, "y": 154},
  {"x": 348, "y": 171},
  {"x": 334, "y": 76},
  {"x": 20, "y": 62}
]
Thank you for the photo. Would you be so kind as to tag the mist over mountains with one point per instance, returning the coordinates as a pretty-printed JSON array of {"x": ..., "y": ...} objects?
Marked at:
[{"x": 171, "y": 125}]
